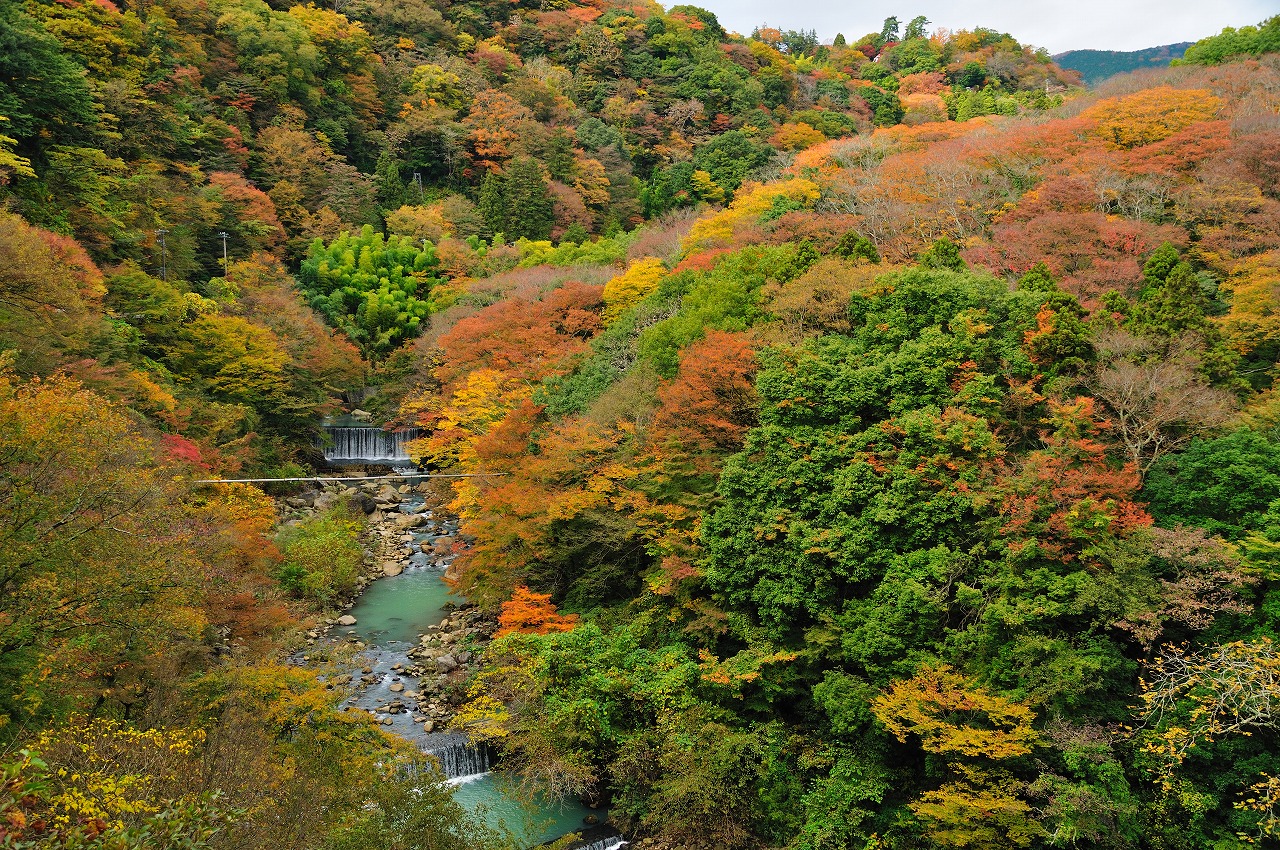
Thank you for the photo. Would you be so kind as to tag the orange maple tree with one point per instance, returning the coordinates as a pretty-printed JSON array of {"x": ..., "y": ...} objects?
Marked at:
[{"x": 532, "y": 614}]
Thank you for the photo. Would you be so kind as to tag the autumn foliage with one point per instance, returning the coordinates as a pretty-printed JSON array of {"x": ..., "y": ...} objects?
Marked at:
[{"x": 532, "y": 613}]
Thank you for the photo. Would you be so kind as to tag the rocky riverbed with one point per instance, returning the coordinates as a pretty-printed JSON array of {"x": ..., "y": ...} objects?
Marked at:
[
  {"x": 416, "y": 678},
  {"x": 416, "y": 646}
]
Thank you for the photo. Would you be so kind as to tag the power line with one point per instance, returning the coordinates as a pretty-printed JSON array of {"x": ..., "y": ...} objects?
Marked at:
[{"x": 322, "y": 478}]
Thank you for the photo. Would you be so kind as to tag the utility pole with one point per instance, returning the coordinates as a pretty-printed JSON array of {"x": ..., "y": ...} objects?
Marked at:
[
  {"x": 417, "y": 181},
  {"x": 164, "y": 271},
  {"x": 226, "y": 269}
]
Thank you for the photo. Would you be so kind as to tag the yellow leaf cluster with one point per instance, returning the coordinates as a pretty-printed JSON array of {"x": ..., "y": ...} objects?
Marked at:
[
  {"x": 1150, "y": 115},
  {"x": 752, "y": 201},
  {"x": 482, "y": 399},
  {"x": 248, "y": 506},
  {"x": 425, "y": 222},
  {"x": 484, "y": 717},
  {"x": 108, "y": 771},
  {"x": 1254, "y": 292},
  {"x": 950, "y": 716},
  {"x": 632, "y": 286}
]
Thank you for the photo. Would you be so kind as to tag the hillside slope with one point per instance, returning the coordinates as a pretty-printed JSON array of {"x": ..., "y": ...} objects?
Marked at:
[
  {"x": 897, "y": 420},
  {"x": 892, "y": 488}
]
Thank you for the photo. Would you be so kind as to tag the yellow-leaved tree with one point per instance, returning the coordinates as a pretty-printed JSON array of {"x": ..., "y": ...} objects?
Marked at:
[
  {"x": 632, "y": 286},
  {"x": 974, "y": 731},
  {"x": 1253, "y": 323},
  {"x": 752, "y": 201},
  {"x": 96, "y": 566},
  {"x": 1151, "y": 115}
]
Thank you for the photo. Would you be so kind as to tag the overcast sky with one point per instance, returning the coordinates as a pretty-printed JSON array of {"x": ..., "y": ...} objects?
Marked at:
[{"x": 1055, "y": 24}]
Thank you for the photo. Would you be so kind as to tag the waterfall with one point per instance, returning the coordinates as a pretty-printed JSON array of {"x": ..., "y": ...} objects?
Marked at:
[
  {"x": 600, "y": 838},
  {"x": 459, "y": 758},
  {"x": 606, "y": 843},
  {"x": 344, "y": 445}
]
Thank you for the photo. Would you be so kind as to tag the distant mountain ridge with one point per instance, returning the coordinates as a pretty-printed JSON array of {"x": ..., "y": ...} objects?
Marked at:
[{"x": 1098, "y": 65}]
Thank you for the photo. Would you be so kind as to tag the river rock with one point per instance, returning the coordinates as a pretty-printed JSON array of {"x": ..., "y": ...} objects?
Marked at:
[
  {"x": 326, "y": 500},
  {"x": 396, "y": 687},
  {"x": 362, "y": 415},
  {"x": 429, "y": 726},
  {"x": 442, "y": 545},
  {"x": 391, "y": 568},
  {"x": 346, "y": 620},
  {"x": 388, "y": 494},
  {"x": 407, "y": 521},
  {"x": 446, "y": 664}
]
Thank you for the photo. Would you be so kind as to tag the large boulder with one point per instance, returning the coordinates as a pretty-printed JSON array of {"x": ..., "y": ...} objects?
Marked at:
[
  {"x": 446, "y": 664},
  {"x": 391, "y": 568},
  {"x": 326, "y": 500},
  {"x": 407, "y": 521},
  {"x": 346, "y": 620}
]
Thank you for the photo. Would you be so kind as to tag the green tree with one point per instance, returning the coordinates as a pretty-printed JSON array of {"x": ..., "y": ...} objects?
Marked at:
[
  {"x": 917, "y": 28},
  {"x": 889, "y": 32},
  {"x": 855, "y": 246},
  {"x": 492, "y": 203},
  {"x": 41, "y": 90},
  {"x": 943, "y": 254},
  {"x": 885, "y": 105},
  {"x": 322, "y": 556},
  {"x": 1224, "y": 484},
  {"x": 529, "y": 211},
  {"x": 375, "y": 290},
  {"x": 730, "y": 158},
  {"x": 1264, "y": 38}
]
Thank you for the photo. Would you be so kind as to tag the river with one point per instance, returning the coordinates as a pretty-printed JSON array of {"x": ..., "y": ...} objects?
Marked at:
[{"x": 390, "y": 615}]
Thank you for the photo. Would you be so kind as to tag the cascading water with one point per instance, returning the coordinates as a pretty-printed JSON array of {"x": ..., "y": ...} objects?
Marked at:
[
  {"x": 391, "y": 616},
  {"x": 601, "y": 838},
  {"x": 459, "y": 758},
  {"x": 612, "y": 843},
  {"x": 352, "y": 445}
]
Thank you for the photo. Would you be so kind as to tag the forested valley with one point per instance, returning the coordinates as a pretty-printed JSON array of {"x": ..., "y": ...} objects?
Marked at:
[{"x": 865, "y": 444}]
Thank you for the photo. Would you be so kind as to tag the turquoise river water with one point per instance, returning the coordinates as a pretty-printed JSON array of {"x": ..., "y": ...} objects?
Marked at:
[{"x": 390, "y": 616}]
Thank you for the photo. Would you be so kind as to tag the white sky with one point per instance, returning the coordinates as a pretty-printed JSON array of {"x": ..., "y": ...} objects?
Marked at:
[{"x": 1055, "y": 24}]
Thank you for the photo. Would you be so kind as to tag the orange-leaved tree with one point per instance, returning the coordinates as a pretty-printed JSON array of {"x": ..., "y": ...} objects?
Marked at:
[{"x": 532, "y": 613}]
